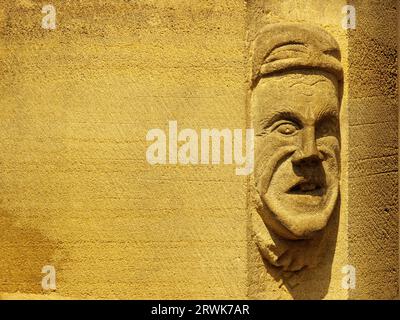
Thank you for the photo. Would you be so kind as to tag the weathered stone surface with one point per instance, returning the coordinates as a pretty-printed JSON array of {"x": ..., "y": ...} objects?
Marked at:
[
  {"x": 373, "y": 150},
  {"x": 78, "y": 193}
]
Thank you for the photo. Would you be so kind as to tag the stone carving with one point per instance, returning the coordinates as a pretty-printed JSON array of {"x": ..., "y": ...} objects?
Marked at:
[{"x": 295, "y": 100}]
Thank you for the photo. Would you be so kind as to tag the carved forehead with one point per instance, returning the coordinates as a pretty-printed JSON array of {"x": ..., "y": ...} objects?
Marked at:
[
  {"x": 303, "y": 94},
  {"x": 298, "y": 88},
  {"x": 297, "y": 84}
]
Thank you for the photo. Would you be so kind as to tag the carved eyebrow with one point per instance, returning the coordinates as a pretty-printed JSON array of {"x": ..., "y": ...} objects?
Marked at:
[{"x": 282, "y": 115}]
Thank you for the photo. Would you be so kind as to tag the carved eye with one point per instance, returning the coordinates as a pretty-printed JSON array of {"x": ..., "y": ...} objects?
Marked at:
[
  {"x": 286, "y": 128},
  {"x": 324, "y": 131},
  {"x": 327, "y": 128}
]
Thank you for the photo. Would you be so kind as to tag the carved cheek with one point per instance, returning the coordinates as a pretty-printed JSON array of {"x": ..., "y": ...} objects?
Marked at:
[
  {"x": 267, "y": 146},
  {"x": 270, "y": 151},
  {"x": 329, "y": 145}
]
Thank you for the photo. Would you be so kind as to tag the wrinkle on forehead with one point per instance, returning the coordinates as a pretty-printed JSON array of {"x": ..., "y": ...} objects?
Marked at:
[
  {"x": 316, "y": 91},
  {"x": 303, "y": 81},
  {"x": 304, "y": 78},
  {"x": 306, "y": 84}
]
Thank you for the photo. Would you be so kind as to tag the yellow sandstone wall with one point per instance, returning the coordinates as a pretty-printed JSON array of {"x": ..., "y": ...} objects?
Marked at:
[
  {"x": 373, "y": 150},
  {"x": 78, "y": 193}
]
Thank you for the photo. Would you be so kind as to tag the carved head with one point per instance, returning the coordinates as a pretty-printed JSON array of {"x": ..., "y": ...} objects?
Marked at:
[{"x": 295, "y": 99}]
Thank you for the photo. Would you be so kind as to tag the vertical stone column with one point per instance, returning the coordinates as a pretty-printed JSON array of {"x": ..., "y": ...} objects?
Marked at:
[
  {"x": 266, "y": 282},
  {"x": 373, "y": 150},
  {"x": 367, "y": 236}
]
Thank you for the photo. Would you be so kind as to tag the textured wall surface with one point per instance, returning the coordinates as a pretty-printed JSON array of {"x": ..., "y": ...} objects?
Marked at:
[
  {"x": 78, "y": 193},
  {"x": 373, "y": 150}
]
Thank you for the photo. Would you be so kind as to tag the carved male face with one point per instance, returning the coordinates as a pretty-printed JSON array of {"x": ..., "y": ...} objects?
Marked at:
[{"x": 297, "y": 146}]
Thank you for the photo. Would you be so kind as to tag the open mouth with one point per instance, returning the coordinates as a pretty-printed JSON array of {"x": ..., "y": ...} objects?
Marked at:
[{"x": 307, "y": 188}]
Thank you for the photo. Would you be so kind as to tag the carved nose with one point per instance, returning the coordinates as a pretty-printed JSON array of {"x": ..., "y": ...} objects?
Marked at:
[{"x": 308, "y": 153}]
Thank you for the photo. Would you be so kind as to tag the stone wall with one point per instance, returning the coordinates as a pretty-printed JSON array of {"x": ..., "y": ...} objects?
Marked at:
[
  {"x": 78, "y": 193},
  {"x": 373, "y": 150}
]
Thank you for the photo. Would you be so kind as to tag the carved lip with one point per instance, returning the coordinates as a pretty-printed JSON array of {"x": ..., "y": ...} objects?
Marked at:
[{"x": 308, "y": 187}]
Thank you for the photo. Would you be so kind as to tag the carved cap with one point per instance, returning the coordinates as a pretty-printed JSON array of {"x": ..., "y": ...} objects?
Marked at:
[{"x": 290, "y": 46}]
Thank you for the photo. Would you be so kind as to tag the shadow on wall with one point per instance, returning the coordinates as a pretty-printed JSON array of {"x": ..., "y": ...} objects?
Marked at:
[{"x": 24, "y": 253}]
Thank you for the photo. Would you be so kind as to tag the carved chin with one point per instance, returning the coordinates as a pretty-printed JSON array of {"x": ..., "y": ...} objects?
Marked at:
[{"x": 301, "y": 212}]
